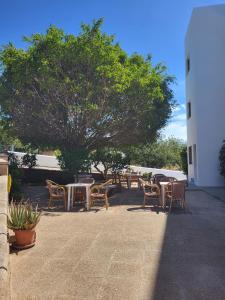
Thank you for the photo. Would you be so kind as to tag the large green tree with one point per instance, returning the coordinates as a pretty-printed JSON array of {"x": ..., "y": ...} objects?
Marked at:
[{"x": 82, "y": 92}]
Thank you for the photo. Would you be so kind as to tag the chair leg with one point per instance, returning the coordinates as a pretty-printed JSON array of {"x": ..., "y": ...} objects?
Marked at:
[
  {"x": 90, "y": 202},
  {"x": 49, "y": 202}
]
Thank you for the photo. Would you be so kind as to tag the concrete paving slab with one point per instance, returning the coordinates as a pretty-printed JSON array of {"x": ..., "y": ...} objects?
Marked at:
[{"x": 126, "y": 252}]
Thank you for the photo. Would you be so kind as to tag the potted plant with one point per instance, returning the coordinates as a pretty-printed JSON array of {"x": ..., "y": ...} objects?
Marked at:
[{"x": 22, "y": 219}]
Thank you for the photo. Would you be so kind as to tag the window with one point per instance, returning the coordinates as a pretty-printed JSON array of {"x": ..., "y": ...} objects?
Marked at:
[
  {"x": 190, "y": 155},
  {"x": 188, "y": 110},
  {"x": 187, "y": 65}
]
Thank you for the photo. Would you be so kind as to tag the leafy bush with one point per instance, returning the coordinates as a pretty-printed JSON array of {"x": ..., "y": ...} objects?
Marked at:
[
  {"x": 147, "y": 175},
  {"x": 75, "y": 160},
  {"x": 159, "y": 154},
  {"x": 222, "y": 159},
  {"x": 111, "y": 159},
  {"x": 22, "y": 216},
  {"x": 29, "y": 160},
  {"x": 16, "y": 174},
  {"x": 184, "y": 161}
]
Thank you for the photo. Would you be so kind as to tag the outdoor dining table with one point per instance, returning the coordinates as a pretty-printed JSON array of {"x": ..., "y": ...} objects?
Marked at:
[
  {"x": 163, "y": 194},
  {"x": 131, "y": 177},
  {"x": 72, "y": 186}
]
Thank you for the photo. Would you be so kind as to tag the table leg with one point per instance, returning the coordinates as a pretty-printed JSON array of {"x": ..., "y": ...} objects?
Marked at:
[
  {"x": 163, "y": 196},
  {"x": 73, "y": 191},
  {"x": 68, "y": 200},
  {"x": 88, "y": 198},
  {"x": 129, "y": 183},
  {"x": 139, "y": 184}
]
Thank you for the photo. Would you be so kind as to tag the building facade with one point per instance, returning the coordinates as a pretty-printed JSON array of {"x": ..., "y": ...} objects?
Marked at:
[{"x": 205, "y": 94}]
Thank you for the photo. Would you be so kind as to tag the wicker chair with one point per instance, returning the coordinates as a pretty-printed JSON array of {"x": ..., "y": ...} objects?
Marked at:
[
  {"x": 100, "y": 193},
  {"x": 56, "y": 192},
  {"x": 150, "y": 191},
  {"x": 157, "y": 178},
  {"x": 176, "y": 194}
]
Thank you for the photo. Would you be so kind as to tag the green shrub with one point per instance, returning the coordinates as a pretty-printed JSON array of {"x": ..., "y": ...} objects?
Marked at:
[
  {"x": 184, "y": 161},
  {"x": 147, "y": 175},
  {"x": 112, "y": 160},
  {"x": 75, "y": 160},
  {"x": 29, "y": 160},
  {"x": 16, "y": 173}
]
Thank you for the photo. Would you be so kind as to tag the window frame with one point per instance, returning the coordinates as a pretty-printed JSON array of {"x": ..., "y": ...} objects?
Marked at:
[
  {"x": 188, "y": 64},
  {"x": 190, "y": 155},
  {"x": 188, "y": 109}
]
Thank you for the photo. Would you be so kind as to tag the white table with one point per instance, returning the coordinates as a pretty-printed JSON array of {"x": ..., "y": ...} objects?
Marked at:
[
  {"x": 71, "y": 188},
  {"x": 163, "y": 196}
]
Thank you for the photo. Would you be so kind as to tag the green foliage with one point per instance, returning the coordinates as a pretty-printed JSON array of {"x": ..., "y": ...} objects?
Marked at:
[
  {"x": 76, "y": 160},
  {"x": 16, "y": 173},
  {"x": 29, "y": 160},
  {"x": 184, "y": 160},
  {"x": 160, "y": 154},
  {"x": 147, "y": 175},
  {"x": 222, "y": 159},
  {"x": 110, "y": 158},
  {"x": 22, "y": 216},
  {"x": 7, "y": 138},
  {"x": 75, "y": 92}
]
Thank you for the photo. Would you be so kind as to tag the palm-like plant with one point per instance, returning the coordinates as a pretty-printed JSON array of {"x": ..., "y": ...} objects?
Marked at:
[{"x": 23, "y": 216}]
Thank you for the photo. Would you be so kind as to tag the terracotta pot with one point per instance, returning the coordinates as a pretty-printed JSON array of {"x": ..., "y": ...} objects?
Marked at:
[{"x": 25, "y": 238}]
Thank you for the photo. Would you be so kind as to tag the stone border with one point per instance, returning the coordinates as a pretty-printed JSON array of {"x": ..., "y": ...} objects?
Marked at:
[{"x": 4, "y": 246}]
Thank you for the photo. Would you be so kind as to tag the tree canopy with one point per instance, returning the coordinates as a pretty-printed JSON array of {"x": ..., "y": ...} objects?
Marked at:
[
  {"x": 109, "y": 159},
  {"x": 83, "y": 91},
  {"x": 166, "y": 153}
]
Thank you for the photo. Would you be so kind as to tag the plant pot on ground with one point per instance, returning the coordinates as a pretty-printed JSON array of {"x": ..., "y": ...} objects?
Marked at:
[{"x": 22, "y": 219}]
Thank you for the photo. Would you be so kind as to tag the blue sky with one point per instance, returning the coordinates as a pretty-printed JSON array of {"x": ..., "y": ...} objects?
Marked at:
[{"x": 144, "y": 26}]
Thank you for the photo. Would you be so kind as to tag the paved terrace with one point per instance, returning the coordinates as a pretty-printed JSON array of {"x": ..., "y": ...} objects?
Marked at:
[{"x": 125, "y": 253}]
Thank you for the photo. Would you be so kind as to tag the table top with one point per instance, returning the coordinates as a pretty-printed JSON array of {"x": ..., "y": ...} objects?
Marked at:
[
  {"x": 164, "y": 183},
  {"x": 79, "y": 184}
]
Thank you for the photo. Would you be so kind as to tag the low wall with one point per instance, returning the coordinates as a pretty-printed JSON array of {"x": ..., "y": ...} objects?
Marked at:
[
  {"x": 4, "y": 246},
  {"x": 39, "y": 176}
]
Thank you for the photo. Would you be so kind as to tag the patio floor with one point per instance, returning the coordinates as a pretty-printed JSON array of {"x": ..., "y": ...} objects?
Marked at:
[{"x": 125, "y": 253}]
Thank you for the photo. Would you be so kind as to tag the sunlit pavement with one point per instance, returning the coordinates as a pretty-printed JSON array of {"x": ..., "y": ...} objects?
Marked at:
[{"x": 125, "y": 253}]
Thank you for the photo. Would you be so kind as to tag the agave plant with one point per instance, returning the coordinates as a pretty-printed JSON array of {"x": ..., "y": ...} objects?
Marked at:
[{"x": 23, "y": 216}]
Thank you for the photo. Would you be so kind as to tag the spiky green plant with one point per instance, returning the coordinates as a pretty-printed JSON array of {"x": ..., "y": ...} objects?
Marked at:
[{"x": 23, "y": 216}]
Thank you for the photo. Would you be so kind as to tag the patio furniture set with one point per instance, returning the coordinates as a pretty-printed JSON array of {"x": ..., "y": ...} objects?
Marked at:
[
  {"x": 165, "y": 190},
  {"x": 160, "y": 188}
]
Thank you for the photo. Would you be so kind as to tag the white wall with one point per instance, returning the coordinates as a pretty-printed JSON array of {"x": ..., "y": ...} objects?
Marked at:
[
  {"x": 205, "y": 88},
  {"x": 51, "y": 162}
]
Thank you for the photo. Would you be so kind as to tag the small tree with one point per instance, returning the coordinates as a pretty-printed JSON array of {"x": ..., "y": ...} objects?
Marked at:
[
  {"x": 184, "y": 160},
  {"x": 222, "y": 159},
  {"x": 110, "y": 159},
  {"x": 75, "y": 161}
]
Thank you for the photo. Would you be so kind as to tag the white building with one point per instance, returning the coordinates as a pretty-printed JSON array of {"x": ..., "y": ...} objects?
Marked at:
[{"x": 205, "y": 93}]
